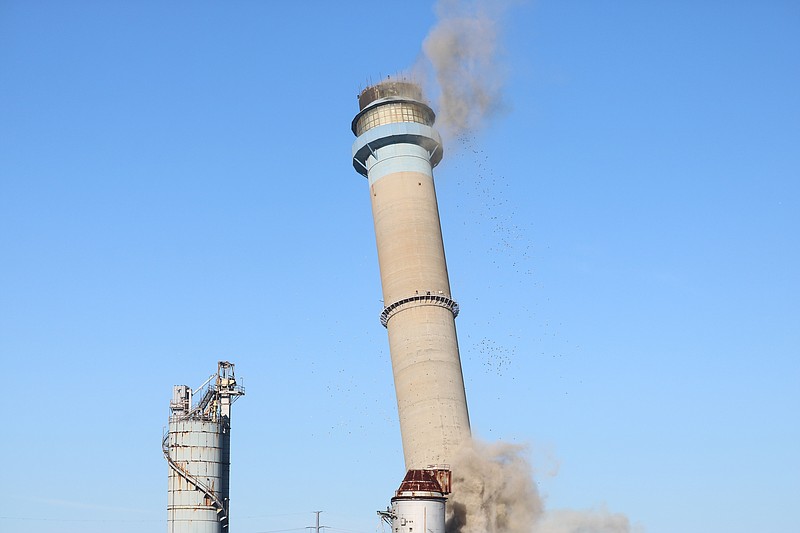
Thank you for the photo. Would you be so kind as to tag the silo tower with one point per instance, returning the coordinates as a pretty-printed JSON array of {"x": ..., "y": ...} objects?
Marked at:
[
  {"x": 396, "y": 149},
  {"x": 197, "y": 449}
]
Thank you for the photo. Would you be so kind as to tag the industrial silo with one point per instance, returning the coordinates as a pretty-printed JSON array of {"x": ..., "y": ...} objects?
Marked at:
[{"x": 197, "y": 449}]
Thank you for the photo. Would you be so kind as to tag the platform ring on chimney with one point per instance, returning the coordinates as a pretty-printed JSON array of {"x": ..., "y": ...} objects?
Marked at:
[{"x": 419, "y": 299}]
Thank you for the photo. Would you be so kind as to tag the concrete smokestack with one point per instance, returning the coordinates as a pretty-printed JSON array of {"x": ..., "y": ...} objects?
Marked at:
[{"x": 396, "y": 149}]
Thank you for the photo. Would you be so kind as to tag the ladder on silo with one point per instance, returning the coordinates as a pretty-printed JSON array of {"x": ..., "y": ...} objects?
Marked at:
[{"x": 199, "y": 485}]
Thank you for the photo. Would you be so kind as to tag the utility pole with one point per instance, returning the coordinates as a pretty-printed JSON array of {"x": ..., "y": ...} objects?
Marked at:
[{"x": 316, "y": 527}]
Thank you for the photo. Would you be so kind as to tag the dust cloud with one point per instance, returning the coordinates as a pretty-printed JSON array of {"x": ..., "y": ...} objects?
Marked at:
[
  {"x": 594, "y": 521},
  {"x": 494, "y": 492},
  {"x": 463, "y": 51},
  {"x": 493, "y": 488}
]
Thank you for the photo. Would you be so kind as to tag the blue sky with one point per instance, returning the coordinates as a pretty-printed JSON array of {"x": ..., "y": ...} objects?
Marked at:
[{"x": 176, "y": 188}]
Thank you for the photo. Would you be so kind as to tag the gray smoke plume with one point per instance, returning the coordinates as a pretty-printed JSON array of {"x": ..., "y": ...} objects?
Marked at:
[
  {"x": 494, "y": 492},
  {"x": 463, "y": 50}
]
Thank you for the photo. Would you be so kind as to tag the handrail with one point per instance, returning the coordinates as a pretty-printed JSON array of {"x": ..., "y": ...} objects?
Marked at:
[
  {"x": 193, "y": 480},
  {"x": 439, "y": 300}
]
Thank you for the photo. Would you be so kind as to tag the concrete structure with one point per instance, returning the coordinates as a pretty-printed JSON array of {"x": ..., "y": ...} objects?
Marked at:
[
  {"x": 396, "y": 150},
  {"x": 197, "y": 449}
]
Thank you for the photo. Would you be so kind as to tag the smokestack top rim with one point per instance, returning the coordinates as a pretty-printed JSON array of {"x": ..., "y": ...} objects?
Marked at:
[
  {"x": 393, "y": 89},
  {"x": 390, "y": 92}
]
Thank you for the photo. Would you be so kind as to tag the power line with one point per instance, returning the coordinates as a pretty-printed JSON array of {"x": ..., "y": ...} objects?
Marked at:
[
  {"x": 340, "y": 529},
  {"x": 114, "y": 520},
  {"x": 282, "y": 530},
  {"x": 271, "y": 515}
]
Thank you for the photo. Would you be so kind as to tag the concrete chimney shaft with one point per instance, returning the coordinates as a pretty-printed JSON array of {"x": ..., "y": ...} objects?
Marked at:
[{"x": 396, "y": 149}]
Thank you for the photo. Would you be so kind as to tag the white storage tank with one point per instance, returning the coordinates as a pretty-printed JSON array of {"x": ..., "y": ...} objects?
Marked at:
[{"x": 419, "y": 504}]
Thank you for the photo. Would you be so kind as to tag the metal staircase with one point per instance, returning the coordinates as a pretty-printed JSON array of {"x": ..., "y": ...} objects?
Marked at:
[{"x": 222, "y": 513}]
